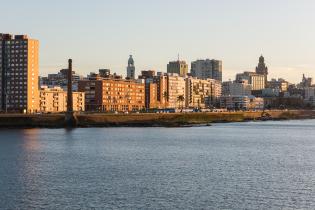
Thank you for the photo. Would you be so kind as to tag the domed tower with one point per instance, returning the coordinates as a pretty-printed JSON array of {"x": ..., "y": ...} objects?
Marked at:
[
  {"x": 262, "y": 68},
  {"x": 131, "y": 70}
]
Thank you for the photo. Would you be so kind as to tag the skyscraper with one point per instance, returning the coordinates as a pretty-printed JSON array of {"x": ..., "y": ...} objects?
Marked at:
[
  {"x": 19, "y": 73},
  {"x": 178, "y": 67},
  {"x": 262, "y": 69},
  {"x": 131, "y": 69},
  {"x": 207, "y": 69}
]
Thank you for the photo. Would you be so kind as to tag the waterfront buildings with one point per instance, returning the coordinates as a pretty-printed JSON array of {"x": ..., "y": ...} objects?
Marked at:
[
  {"x": 310, "y": 96},
  {"x": 112, "y": 94},
  {"x": 176, "y": 90},
  {"x": 19, "y": 67},
  {"x": 270, "y": 92},
  {"x": 256, "y": 80},
  {"x": 280, "y": 84},
  {"x": 178, "y": 67},
  {"x": 108, "y": 92},
  {"x": 262, "y": 69},
  {"x": 131, "y": 69},
  {"x": 55, "y": 100},
  {"x": 151, "y": 91},
  {"x": 207, "y": 69},
  {"x": 306, "y": 82},
  {"x": 241, "y": 88},
  {"x": 202, "y": 93},
  {"x": 60, "y": 79},
  {"x": 241, "y": 103},
  {"x": 161, "y": 81}
]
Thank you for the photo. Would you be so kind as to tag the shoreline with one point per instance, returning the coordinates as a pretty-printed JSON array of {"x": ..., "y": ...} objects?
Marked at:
[{"x": 149, "y": 119}]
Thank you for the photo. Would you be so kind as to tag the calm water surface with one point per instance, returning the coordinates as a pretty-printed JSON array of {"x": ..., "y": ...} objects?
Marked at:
[{"x": 255, "y": 165}]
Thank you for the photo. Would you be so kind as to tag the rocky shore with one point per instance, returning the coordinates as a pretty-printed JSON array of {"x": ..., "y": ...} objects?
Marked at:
[{"x": 147, "y": 119}]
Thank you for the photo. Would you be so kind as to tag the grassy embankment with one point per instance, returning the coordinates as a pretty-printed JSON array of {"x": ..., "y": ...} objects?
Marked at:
[{"x": 144, "y": 120}]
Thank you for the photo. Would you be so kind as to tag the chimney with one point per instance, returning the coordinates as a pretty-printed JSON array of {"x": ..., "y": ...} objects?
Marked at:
[{"x": 69, "y": 94}]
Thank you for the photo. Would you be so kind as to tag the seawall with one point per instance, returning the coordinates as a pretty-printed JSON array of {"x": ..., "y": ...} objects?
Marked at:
[{"x": 144, "y": 120}]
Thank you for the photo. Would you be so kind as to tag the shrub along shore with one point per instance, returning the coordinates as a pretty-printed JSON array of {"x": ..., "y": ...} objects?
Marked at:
[{"x": 147, "y": 119}]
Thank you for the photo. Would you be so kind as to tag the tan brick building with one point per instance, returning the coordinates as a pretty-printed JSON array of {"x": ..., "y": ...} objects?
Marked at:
[
  {"x": 55, "y": 100},
  {"x": 176, "y": 88},
  {"x": 202, "y": 93}
]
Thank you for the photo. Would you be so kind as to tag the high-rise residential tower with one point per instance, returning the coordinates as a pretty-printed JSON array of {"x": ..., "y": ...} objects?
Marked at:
[
  {"x": 207, "y": 69},
  {"x": 19, "y": 73},
  {"x": 131, "y": 69},
  {"x": 262, "y": 69},
  {"x": 178, "y": 67}
]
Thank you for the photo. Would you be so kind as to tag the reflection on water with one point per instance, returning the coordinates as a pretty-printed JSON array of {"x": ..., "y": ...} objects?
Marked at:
[
  {"x": 30, "y": 139},
  {"x": 230, "y": 166}
]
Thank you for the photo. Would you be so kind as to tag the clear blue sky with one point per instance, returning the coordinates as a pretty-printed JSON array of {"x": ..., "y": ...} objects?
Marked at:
[{"x": 102, "y": 33}]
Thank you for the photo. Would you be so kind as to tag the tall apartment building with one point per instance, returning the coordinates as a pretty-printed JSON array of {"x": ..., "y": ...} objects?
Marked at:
[
  {"x": 176, "y": 88},
  {"x": 178, "y": 67},
  {"x": 131, "y": 69},
  {"x": 112, "y": 94},
  {"x": 161, "y": 82},
  {"x": 55, "y": 100},
  {"x": 151, "y": 91},
  {"x": 151, "y": 101},
  {"x": 19, "y": 67},
  {"x": 256, "y": 80},
  {"x": 202, "y": 93},
  {"x": 207, "y": 69}
]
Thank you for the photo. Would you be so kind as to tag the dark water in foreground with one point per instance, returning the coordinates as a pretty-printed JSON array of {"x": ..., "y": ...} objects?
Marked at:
[{"x": 227, "y": 166}]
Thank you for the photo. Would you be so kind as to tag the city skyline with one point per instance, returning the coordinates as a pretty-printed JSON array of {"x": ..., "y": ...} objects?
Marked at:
[{"x": 103, "y": 34}]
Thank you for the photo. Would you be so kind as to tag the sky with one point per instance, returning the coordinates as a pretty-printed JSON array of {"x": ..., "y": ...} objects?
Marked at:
[{"x": 103, "y": 33}]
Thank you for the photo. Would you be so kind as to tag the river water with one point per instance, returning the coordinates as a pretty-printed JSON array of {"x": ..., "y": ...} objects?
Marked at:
[{"x": 254, "y": 165}]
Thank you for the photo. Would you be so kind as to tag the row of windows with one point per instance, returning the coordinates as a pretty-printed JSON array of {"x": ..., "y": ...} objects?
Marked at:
[{"x": 16, "y": 42}]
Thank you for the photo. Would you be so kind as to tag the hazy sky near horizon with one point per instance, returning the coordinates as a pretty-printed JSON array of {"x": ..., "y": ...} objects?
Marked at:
[{"x": 102, "y": 33}]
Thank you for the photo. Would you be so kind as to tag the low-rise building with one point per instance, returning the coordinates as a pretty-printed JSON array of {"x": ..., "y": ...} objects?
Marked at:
[
  {"x": 241, "y": 103},
  {"x": 55, "y": 100}
]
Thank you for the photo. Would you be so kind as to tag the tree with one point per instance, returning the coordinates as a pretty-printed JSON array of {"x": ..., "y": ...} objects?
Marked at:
[
  {"x": 165, "y": 96},
  {"x": 181, "y": 100}
]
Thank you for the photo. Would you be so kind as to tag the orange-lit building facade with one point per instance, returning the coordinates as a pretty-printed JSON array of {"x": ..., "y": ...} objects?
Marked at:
[
  {"x": 111, "y": 95},
  {"x": 55, "y": 100},
  {"x": 19, "y": 73},
  {"x": 162, "y": 94}
]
